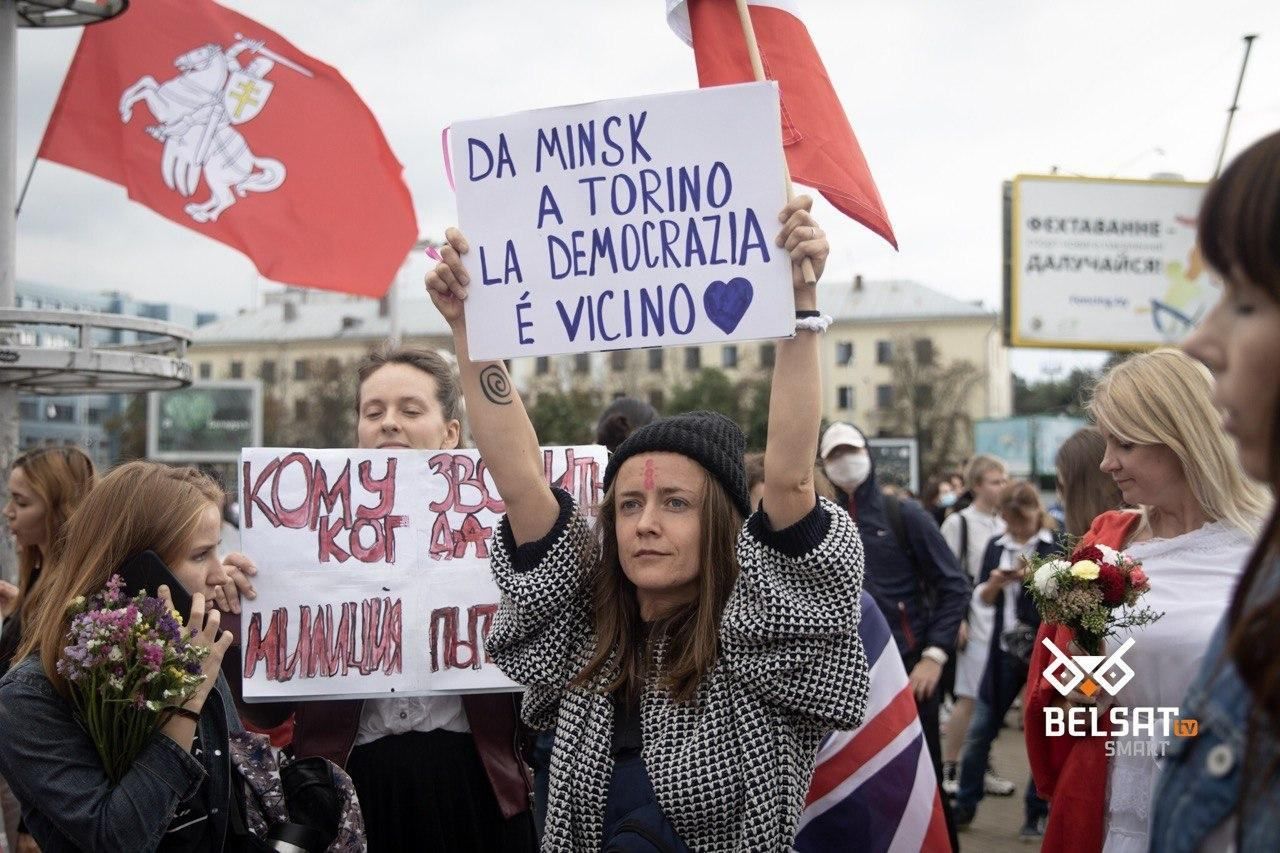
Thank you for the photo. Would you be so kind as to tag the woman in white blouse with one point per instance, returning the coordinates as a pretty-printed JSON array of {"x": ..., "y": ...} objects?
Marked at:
[{"x": 1196, "y": 520}]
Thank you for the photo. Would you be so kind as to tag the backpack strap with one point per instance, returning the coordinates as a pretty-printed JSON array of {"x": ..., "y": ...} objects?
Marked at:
[
  {"x": 964, "y": 547},
  {"x": 893, "y": 509}
]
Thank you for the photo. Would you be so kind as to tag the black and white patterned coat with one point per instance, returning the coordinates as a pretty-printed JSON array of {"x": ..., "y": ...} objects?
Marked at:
[{"x": 731, "y": 768}]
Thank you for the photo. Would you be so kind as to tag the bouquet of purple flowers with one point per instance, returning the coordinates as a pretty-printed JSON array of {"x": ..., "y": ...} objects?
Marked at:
[{"x": 127, "y": 662}]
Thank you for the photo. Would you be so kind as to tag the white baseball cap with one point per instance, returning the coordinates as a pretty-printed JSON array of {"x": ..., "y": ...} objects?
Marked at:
[{"x": 839, "y": 435}]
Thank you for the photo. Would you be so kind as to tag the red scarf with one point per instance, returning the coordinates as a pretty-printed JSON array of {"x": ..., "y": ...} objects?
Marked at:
[{"x": 1070, "y": 772}]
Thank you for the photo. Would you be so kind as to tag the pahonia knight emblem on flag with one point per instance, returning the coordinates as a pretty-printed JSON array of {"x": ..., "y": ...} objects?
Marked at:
[
  {"x": 197, "y": 113},
  {"x": 207, "y": 144}
]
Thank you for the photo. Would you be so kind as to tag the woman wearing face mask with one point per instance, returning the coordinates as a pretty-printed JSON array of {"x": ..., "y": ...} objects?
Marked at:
[
  {"x": 911, "y": 572},
  {"x": 938, "y": 497}
]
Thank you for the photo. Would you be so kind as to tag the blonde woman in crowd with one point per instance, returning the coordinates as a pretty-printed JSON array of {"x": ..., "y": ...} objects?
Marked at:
[{"x": 1195, "y": 520}]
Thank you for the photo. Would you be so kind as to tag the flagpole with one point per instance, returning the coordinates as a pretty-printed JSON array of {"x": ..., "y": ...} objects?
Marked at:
[
  {"x": 393, "y": 311},
  {"x": 8, "y": 233},
  {"x": 757, "y": 68},
  {"x": 1235, "y": 103}
]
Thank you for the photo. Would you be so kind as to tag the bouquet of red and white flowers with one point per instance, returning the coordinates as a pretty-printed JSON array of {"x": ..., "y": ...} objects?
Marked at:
[
  {"x": 1094, "y": 592},
  {"x": 127, "y": 661}
]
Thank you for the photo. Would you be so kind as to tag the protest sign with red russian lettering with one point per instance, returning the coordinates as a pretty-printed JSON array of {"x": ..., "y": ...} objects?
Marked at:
[{"x": 373, "y": 569}]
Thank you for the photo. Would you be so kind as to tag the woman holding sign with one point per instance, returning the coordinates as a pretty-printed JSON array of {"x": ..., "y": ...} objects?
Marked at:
[
  {"x": 691, "y": 654},
  {"x": 433, "y": 772}
]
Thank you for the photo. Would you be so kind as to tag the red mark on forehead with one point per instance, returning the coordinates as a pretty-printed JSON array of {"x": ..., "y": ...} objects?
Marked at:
[{"x": 649, "y": 470}]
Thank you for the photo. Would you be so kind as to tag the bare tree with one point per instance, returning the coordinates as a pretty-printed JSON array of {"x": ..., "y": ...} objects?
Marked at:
[{"x": 931, "y": 403}]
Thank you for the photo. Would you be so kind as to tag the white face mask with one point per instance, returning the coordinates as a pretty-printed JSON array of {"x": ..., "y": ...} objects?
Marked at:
[{"x": 849, "y": 471}]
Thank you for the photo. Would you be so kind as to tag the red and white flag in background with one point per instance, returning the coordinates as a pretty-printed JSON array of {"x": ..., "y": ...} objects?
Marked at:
[
  {"x": 822, "y": 151},
  {"x": 216, "y": 122}
]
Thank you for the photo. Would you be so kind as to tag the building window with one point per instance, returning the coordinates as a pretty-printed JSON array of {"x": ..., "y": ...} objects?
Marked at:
[
  {"x": 729, "y": 356},
  {"x": 884, "y": 352},
  {"x": 60, "y": 412},
  {"x": 582, "y": 363},
  {"x": 844, "y": 398},
  {"x": 924, "y": 351},
  {"x": 655, "y": 360},
  {"x": 884, "y": 396},
  {"x": 923, "y": 396},
  {"x": 333, "y": 369},
  {"x": 542, "y": 365},
  {"x": 27, "y": 410},
  {"x": 844, "y": 353},
  {"x": 657, "y": 398},
  {"x": 206, "y": 370},
  {"x": 237, "y": 370},
  {"x": 618, "y": 360},
  {"x": 299, "y": 410},
  {"x": 692, "y": 358},
  {"x": 301, "y": 370},
  {"x": 95, "y": 415},
  {"x": 768, "y": 354},
  {"x": 267, "y": 371}
]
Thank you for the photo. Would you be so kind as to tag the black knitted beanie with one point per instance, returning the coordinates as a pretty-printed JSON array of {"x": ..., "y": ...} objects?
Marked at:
[{"x": 708, "y": 438}]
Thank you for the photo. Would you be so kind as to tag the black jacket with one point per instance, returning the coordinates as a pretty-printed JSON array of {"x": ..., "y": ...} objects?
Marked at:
[{"x": 921, "y": 591}]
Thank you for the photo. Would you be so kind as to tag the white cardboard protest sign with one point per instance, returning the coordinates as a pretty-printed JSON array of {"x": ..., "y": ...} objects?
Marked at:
[
  {"x": 635, "y": 222},
  {"x": 373, "y": 569}
]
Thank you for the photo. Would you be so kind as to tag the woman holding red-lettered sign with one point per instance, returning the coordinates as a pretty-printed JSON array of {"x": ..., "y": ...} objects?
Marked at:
[{"x": 691, "y": 653}]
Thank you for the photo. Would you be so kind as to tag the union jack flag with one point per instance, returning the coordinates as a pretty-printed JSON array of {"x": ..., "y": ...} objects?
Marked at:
[{"x": 874, "y": 788}]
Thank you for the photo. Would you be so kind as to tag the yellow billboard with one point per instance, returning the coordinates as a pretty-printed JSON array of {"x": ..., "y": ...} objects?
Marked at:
[{"x": 1103, "y": 263}]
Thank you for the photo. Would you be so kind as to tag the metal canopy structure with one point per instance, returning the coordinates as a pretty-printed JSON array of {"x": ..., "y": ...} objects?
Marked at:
[
  {"x": 66, "y": 370},
  {"x": 156, "y": 361},
  {"x": 67, "y": 13}
]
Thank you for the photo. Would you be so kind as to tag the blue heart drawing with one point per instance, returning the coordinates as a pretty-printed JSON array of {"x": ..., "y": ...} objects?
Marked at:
[{"x": 727, "y": 302}]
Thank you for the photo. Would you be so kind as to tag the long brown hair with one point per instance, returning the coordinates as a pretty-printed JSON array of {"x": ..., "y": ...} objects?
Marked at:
[
  {"x": 139, "y": 506},
  {"x": 1240, "y": 238},
  {"x": 1086, "y": 491},
  {"x": 624, "y": 650},
  {"x": 61, "y": 477}
]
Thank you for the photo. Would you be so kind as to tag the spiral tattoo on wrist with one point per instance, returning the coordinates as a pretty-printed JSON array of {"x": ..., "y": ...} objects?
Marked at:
[{"x": 496, "y": 385}]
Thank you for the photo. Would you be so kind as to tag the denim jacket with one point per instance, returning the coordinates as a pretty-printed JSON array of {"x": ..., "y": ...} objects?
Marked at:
[
  {"x": 1200, "y": 782},
  {"x": 68, "y": 803}
]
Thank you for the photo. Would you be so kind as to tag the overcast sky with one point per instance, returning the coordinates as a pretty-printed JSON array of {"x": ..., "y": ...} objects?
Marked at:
[{"x": 948, "y": 99}]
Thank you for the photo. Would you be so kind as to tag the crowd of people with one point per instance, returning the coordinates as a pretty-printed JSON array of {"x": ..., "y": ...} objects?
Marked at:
[{"x": 685, "y": 657}]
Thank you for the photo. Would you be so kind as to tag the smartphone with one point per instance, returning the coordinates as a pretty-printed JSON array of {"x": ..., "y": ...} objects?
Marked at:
[{"x": 146, "y": 572}]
